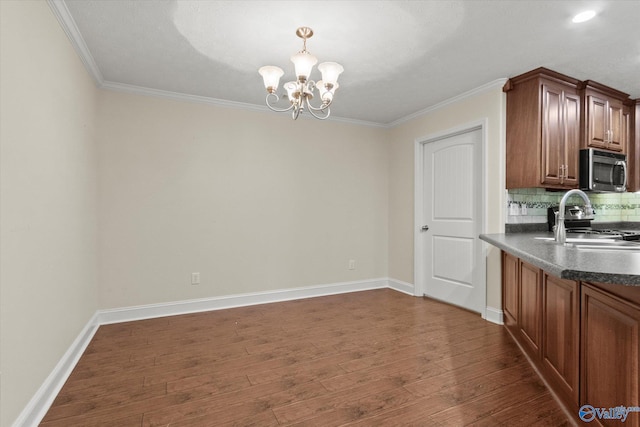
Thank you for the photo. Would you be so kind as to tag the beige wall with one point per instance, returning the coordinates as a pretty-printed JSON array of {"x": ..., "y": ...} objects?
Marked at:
[
  {"x": 48, "y": 274},
  {"x": 253, "y": 201},
  {"x": 489, "y": 105}
]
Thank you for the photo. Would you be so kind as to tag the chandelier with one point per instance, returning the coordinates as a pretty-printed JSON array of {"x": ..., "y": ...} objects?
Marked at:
[{"x": 300, "y": 92}]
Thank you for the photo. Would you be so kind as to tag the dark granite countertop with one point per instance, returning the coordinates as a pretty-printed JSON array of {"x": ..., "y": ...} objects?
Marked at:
[{"x": 568, "y": 262}]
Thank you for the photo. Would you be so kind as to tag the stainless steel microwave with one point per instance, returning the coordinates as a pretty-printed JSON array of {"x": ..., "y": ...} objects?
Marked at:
[{"x": 603, "y": 171}]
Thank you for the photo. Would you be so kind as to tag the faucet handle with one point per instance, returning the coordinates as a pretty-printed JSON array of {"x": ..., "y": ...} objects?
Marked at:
[{"x": 589, "y": 212}]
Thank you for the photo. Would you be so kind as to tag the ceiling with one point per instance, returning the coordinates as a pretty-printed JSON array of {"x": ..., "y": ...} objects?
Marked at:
[{"x": 400, "y": 57}]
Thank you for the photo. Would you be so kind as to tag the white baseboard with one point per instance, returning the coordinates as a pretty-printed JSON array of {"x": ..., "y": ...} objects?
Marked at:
[
  {"x": 127, "y": 314},
  {"x": 400, "y": 286},
  {"x": 38, "y": 406},
  {"x": 494, "y": 315}
]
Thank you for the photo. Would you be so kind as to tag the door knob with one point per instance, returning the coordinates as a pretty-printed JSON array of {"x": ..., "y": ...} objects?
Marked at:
[{"x": 424, "y": 228}]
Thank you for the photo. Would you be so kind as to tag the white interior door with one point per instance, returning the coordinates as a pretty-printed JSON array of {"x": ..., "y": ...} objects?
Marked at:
[{"x": 451, "y": 220}]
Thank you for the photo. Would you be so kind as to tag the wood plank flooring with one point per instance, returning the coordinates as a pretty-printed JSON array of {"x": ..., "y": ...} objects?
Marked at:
[{"x": 370, "y": 358}]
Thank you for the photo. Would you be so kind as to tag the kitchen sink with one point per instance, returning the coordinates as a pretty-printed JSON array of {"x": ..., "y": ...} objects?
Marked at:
[
  {"x": 580, "y": 240},
  {"x": 617, "y": 246},
  {"x": 597, "y": 243}
]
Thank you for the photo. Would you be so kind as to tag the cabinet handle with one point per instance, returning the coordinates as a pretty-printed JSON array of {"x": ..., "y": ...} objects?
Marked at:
[{"x": 563, "y": 175}]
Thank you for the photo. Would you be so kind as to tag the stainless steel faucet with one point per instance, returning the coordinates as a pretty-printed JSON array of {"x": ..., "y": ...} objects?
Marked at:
[{"x": 561, "y": 231}]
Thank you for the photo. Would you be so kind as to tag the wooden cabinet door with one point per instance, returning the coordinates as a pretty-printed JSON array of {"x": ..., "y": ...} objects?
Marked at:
[
  {"x": 560, "y": 142},
  {"x": 510, "y": 290},
  {"x": 607, "y": 124},
  {"x": 597, "y": 110},
  {"x": 571, "y": 129},
  {"x": 561, "y": 334},
  {"x": 616, "y": 125},
  {"x": 610, "y": 354},
  {"x": 530, "y": 308},
  {"x": 544, "y": 130},
  {"x": 552, "y": 134}
]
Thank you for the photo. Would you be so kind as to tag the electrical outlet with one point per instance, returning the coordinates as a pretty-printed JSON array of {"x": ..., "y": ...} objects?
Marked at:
[
  {"x": 195, "y": 278},
  {"x": 352, "y": 264}
]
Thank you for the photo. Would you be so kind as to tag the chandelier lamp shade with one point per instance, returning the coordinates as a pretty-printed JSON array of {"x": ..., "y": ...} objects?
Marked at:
[{"x": 300, "y": 92}]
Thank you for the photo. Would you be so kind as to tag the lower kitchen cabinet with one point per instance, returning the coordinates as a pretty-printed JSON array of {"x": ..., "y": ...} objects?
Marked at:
[
  {"x": 583, "y": 338},
  {"x": 610, "y": 351},
  {"x": 530, "y": 313},
  {"x": 561, "y": 334},
  {"x": 521, "y": 299}
]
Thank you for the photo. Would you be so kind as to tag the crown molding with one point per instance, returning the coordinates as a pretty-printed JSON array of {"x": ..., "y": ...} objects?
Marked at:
[
  {"x": 68, "y": 24},
  {"x": 179, "y": 96},
  {"x": 473, "y": 92}
]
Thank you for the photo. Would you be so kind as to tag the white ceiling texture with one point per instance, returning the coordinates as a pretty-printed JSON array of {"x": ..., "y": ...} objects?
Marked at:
[{"x": 400, "y": 57}]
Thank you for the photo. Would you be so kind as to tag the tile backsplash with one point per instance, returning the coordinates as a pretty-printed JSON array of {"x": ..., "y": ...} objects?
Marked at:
[{"x": 529, "y": 205}]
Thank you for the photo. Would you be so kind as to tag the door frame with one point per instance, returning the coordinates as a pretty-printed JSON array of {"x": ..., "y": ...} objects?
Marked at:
[{"x": 480, "y": 273}]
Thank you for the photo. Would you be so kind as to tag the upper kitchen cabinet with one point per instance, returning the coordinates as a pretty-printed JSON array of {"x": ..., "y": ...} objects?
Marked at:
[
  {"x": 606, "y": 122},
  {"x": 543, "y": 130}
]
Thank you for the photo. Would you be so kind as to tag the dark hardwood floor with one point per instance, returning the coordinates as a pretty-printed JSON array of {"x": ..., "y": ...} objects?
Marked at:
[{"x": 366, "y": 358}]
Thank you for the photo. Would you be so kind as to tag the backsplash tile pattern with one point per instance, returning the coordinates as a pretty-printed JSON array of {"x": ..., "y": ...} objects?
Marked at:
[{"x": 609, "y": 207}]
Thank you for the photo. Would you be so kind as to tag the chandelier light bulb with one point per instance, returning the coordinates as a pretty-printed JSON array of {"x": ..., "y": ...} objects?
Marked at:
[
  {"x": 330, "y": 72},
  {"x": 303, "y": 62},
  {"x": 271, "y": 75},
  {"x": 326, "y": 94},
  {"x": 292, "y": 88}
]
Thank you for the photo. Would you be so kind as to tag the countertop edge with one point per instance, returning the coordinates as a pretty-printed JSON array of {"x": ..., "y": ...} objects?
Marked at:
[
  {"x": 547, "y": 266},
  {"x": 556, "y": 269}
]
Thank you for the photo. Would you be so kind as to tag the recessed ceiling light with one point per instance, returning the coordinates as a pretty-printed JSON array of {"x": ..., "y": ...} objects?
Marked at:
[{"x": 584, "y": 16}]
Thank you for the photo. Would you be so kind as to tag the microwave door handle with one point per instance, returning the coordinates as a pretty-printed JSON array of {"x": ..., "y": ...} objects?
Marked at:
[{"x": 624, "y": 172}]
